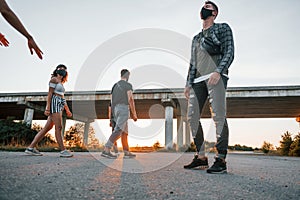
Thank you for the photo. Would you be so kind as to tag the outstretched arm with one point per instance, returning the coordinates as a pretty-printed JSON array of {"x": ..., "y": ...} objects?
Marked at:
[{"x": 14, "y": 21}]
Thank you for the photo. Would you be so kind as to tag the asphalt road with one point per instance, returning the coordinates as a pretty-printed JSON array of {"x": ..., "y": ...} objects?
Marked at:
[{"x": 148, "y": 176}]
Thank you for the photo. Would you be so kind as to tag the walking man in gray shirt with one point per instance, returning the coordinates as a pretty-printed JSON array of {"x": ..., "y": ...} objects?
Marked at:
[{"x": 121, "y": 104}]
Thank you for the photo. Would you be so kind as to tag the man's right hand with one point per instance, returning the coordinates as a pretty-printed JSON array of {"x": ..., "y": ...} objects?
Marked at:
[
  {"x": 187, "y": 91},
  {"x": 134, "y": 117}
]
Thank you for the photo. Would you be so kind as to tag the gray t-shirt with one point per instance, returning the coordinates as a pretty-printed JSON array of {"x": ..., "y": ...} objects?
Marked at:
[
  {"x": 119, "y": 93},
  {"x": 206, "y": 62}
]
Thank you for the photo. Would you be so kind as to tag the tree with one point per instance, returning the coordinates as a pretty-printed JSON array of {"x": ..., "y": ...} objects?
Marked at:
[
  {"x": 47, "y": 139},
  {"x": 285, "y": 143},
  {"x": 156, "y": 146},
  {"x": 192, "y": 148},
  {"x": 266, "y": 147},
  {"x": 74, "y": 136},
  {"x": 17, "y": 133},
  {"x": 209, "y": 146},
  {"x": 238, "y": 147},
  {"x": 93, "y": 142},
  {"x": 295, "y": 146}
]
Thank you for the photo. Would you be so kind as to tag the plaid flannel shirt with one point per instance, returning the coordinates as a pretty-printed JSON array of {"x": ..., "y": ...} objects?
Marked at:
[{"x": 221, "y": 35}]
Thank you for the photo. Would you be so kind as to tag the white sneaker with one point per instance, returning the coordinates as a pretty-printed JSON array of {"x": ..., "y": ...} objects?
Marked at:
[
  {"x": 128, "y": 154},
  {"x": 33, "y": 152},
  {"x": 65, "y": 153},
  {"x": 108, "y": 155}
]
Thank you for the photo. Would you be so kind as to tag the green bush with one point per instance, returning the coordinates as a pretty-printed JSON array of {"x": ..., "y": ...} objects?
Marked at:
[
  {"x": 285, "y": 144},
  {"x": 266, "y": 147},
  {"x": 295, "y": 146},
  {"x": 238, "y": 147},
  {"x": 15, "y": 133},
  {"x": 19, "y": 134},
  {"x": 192, "y": 148}
]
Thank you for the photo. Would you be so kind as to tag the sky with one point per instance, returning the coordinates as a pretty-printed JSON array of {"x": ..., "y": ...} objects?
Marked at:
[{"x": 75, "y": 32}]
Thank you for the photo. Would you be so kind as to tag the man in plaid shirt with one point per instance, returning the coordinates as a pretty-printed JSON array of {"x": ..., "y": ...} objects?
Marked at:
[{"x": 212, "y": 54}]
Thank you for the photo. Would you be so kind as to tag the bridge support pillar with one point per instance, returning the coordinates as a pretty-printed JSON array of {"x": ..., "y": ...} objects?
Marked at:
[
  {"x": 86, "y": 122},
  {"x": 179, "y": 132},
  {"x": 28, "y": 116},
  {"x": 86, "y": 133},
  {"x": 169, "y": 111},
  {"x": 187, "y": 134},
  {"x": 168, "y": 127}
]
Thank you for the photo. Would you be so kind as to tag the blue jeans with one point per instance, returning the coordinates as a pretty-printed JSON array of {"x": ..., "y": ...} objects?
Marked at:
[
  {"x": 121, "y": 115},
  {"x": 217, "y": 99}
]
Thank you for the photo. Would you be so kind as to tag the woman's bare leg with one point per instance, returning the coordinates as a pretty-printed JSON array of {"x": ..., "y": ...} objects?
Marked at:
[
  {"x": 57, "y": 120},
  {"x": 40, "y": 135}
]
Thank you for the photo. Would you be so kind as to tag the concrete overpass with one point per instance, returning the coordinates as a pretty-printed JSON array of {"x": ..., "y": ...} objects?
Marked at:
[{"x": 242, "y": 102}]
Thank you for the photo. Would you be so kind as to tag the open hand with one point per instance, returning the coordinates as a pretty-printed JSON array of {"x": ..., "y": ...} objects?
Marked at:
[
  {"x": 3, "y": 41},
  {"x": 33, "y": 45}
]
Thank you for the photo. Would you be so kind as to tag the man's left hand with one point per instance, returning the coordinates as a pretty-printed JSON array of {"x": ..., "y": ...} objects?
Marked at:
[{"x": 214, "y": 78}]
